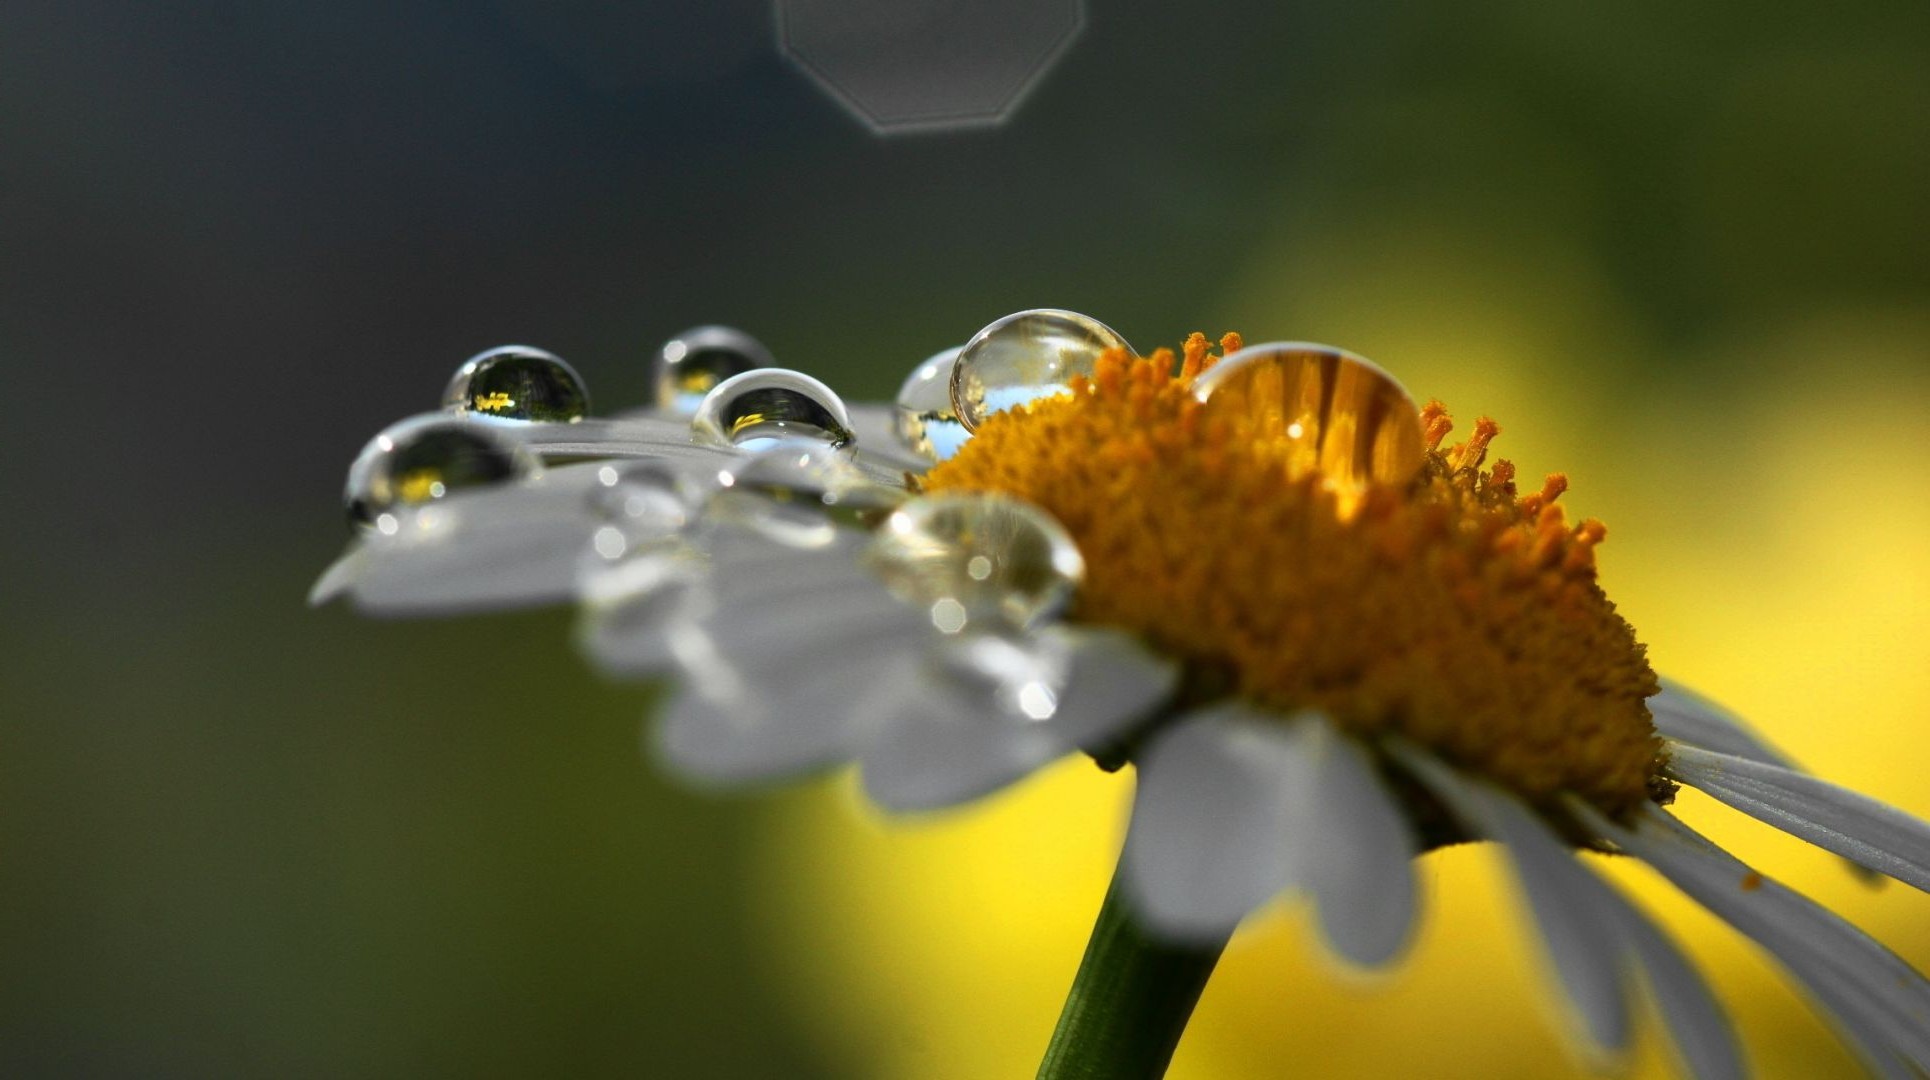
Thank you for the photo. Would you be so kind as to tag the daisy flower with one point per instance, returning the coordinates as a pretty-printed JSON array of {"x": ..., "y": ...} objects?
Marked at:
[{"x": 1327, "y": 639}]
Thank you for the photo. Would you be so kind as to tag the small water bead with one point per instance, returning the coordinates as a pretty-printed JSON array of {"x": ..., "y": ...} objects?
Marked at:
[
  {"x": 759, "y": 409},
  {"x": 801, "y": 494},
  {"x": 516, "y": 382},
  {"x": 1338, "y": 414},
  {"x": 691, "y": 364},
  {"x": 426, "y": 458},
  {"x": 977, "y": 560},
  {"x": 925, "y": 421},
  {"x": 643, "y": 505},
  {"x": 1024, "y": 357}
]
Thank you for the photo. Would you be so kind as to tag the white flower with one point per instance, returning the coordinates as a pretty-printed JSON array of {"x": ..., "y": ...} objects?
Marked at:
[{"x": 1327, "y": 645}]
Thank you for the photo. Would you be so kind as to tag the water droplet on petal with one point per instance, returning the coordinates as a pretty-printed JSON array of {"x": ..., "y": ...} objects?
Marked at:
[
  {"x": 689, "y": 365},
  {"x": 642, "y": 505},
  {"x": 516, "y": 382},
  {"x": 977, "y": 560},
  {"x": 1022, "y": 675},
  {"x": 760, "y": 409},
  {"x": 926, "y": 421},
  {"x": 426, "y": 458},
  {"x": 801, "y": 494},
  {"x": 1334, "y": 412},
  {"x": 1025, "y": 357}
]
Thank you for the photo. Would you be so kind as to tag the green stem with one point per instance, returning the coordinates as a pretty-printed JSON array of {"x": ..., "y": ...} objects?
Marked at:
[{"x": 1130, "y": 1001}]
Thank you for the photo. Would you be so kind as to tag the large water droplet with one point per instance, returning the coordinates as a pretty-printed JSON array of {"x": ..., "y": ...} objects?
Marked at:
[
  {"x": 801, "y": 494},
  {"x": 642, "y": 505},
  {"x": 426, "y": 458},
  {"x": 1334, "y": 412},
  {"x": 1025, "y": 357},
  {"x": 977, "y": 560},
  {"x": 925, "y": 420},
  {"x": 759, "y": 409},
  {"x": 516, "y": 382},
  {"x": 689, "y": 365}
]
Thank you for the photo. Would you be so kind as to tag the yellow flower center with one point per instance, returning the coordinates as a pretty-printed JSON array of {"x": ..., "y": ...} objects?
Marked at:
[{"x": 1452, "y": 610}]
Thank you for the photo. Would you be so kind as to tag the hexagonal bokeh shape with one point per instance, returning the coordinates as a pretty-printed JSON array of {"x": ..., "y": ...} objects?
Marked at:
[{"x": 928, "y": 65}]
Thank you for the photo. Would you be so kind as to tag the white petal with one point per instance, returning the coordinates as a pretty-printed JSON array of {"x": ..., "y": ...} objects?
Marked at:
[
  {"x": 742, "y": 717},
  {"x": 942, "y": 746},
  {"x": 475, "y": 554},
  {"x": 1358, "y": 857},
  {"x": 502, "y": 547},
  {"x": 628, "y": 612},
  {"x": 1566, "y": 899},
  {"x": 1685, "y": 716},
  {"x": 1880, "y": 1002},
  {"x": 1211, "y": 835},
  {"x": 1112, "y": 680},
  {"x": 752, "y": 596},
  {"x": 1704, "y": 1037},
  {"x": 637, "y": 435},
  {"x": 815, "y": 614},
  {"x": 337, "y": 578},
  {"x": 938, "y": 750},
  {"x": 1834, "y": 818}
]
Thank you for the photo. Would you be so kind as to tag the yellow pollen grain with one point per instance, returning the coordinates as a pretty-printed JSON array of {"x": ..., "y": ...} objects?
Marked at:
[
  {"x": 1454, "y": 611},
  {"x": 419, "y": 485}
]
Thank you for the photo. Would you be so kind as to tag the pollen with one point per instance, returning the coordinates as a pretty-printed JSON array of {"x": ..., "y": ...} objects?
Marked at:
[{"x": 1451, "y": 609}]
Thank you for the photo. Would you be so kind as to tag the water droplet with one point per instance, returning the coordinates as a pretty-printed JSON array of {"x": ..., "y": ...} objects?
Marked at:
[
  {"x": 695, "y": 361},
  {"x": 1336, "y": 413},
  {"x": 759, "y": 409},
  {"x": 801, "y": 494},
  {"x": 977, "y": 559},
  {"x": 925, "y": 420},
  {"x": 426, "y": 458},
  {"x": 643, "y": 505},
  {"x": 516, "y": 382},
  {"x": 1025, "y": 357}
]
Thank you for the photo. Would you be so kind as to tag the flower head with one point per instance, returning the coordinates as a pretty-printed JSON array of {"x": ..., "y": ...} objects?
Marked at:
[{"x": 1327, "y": 639}]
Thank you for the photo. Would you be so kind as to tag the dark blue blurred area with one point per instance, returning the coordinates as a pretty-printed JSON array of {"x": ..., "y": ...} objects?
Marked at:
[{"x": 241, "y": 838}]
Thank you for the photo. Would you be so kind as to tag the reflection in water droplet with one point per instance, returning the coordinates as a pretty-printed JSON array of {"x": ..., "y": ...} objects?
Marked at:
[
  {"x": 689, "y": 365},
  {"x": 925, "y": 421},
  {"x": 426, "y": 458},
  {"x": 1337, "y": 413},
  {"x": 1023, "y": 675},
  {"x": 516, "y": 382},
  {"x": 801, "y": 494},
  {"x": 760, "y": 409},
  {"x": 644, "y": 506},
  {"x": 986, "y": 559},
  {"x": 1024, "y": 357}
]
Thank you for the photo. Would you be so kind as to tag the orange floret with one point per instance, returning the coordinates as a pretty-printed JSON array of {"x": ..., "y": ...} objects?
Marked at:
[{"x": 1452, "y": 610}]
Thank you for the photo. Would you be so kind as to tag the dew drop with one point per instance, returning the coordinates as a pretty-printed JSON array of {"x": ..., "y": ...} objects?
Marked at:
[
  {"x": 1336, "y": 413},
  {"x": 1024, "y": 357},
  {"x": 760, "y": 409},
  {"x": 516, "y": 382},
  {"x": 426, "y": 458},
  {"x": 925, "y": 421},
  {"x": 977, "y": 560},
  {"x": 689, "y": 365},
  {"x": 801, "y": 494}
]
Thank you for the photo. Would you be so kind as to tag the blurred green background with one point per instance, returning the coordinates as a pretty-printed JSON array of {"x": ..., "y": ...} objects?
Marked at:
[{"x": 1680, "y": 251}]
